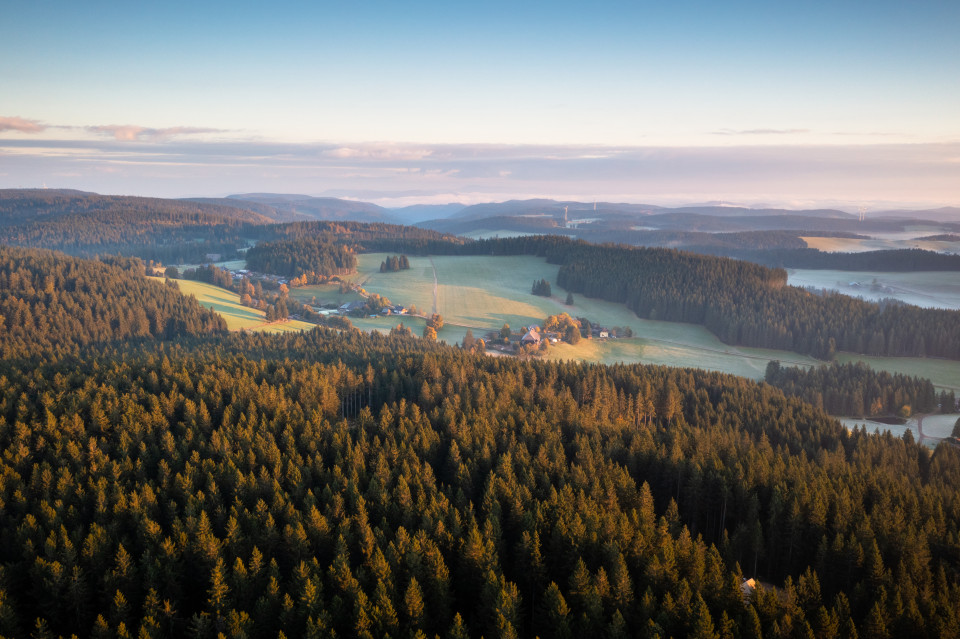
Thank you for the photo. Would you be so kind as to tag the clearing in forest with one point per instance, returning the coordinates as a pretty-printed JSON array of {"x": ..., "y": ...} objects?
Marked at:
[{"x": 238, "y": 316}]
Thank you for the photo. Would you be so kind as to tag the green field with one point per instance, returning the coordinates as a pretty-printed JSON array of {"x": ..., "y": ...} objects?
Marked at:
[
  {"x": 483, "y": 292},
  {"x": 884, "y": 241},
  {"x": 935, "y": 289},
  {"x": 483, "y": 234},
  {"x": 238, "y": 317},
  {"x": 322, "y": 295}
]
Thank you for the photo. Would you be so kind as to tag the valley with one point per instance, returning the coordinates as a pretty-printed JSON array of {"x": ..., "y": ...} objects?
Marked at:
[
  {"x": 481, "y": 293},
  {"x": 200, "y": 423},
  {"x": 929, "y": 289}
]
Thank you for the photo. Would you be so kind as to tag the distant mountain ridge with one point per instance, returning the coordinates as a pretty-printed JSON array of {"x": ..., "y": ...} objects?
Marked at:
[
  {"x": 420, "y": 212},
  {"x": 613, "y": 222},
  {"x": 547, "y": 207},
  {"x": 942, "y": 214},
  {"x": 292, "y": 208},
  {"x": 35, "y": 205}
]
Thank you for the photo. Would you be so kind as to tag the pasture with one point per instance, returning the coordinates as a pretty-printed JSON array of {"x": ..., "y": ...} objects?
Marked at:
[
  {"x": 884, "y": 241},
  {"x": 934, "y": 289},
  {"x": 483, "y": 292},
  {"x": 322, "y": 295},
  {"x": 237, "y": 316}
]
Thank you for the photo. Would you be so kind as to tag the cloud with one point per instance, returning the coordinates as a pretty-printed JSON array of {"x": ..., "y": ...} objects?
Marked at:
[
  {"x": 760, "y": 131},
  {"x": 21, "y": 125},
  {"x": 379, "y": 152},
  {"x": 131, "y": 132},
  {"x": 742, "y": 170}
]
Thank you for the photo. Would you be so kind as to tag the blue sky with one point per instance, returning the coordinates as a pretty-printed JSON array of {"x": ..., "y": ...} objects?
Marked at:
[{"x": 181, "y": 90}]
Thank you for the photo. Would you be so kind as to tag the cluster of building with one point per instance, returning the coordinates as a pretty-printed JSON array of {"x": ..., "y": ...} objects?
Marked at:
[
  {"x": 356, "y": 305},
  {"x": 535, "y": 335}
]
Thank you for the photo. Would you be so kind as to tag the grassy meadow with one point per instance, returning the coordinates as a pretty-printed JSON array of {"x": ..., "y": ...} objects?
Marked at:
[
  {"x": 483, "y": 292},
  {"x": 884, "y": 241},
  {"x": 480, "y": 293},
  {"x": 933, "y": 289},
  {"x": 237, "y": 316}
]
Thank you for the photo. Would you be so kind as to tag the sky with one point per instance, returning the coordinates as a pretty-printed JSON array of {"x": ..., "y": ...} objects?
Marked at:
[{"x": 843, "y": 103}]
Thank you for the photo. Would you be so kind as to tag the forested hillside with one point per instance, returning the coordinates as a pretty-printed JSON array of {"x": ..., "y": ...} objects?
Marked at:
[
  {"x": 857, "y": 390},
  {"x": 310, "y": 255},
  {"x": 89, "y": 224},
  {"x": 892, "y": 261},
  {"x": 351, "y": 485},
  {"x": 747, "y": 304},
  {"x": 55, "y": 303},
  {"x": 374, "y": 237}
]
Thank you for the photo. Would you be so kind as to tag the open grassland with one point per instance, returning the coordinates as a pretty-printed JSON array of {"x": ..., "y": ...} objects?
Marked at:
[
  {"x": 230, "y": 265},
  {"x": 483, "y": 234},
  {"x": 665, "y": 343},
  {"x": 934, "y": 289},
  {"x": 413, "y": 286},
  {"x": 237, "y": 316},
  {"x": 483, "y": 292},
  {"x": 322, "y": 295},
  {"x": 884, "y": 241},
  {"x": 939, "y": 425},
  {"x": 385, "y": 324}
]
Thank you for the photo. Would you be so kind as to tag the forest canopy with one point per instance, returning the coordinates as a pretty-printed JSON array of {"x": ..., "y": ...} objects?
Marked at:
[
  {"x": 363, "y": 485},
  {"x": 53, "y": 302}
]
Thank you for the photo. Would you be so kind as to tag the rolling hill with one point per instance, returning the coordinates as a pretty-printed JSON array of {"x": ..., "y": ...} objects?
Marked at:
[{"x": 290, "y": 208}]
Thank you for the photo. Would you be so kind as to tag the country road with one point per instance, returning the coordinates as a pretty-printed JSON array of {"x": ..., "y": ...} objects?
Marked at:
[{"x": 436, "y": 286}]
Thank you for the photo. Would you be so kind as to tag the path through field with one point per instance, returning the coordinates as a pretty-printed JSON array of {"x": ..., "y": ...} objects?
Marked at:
[
  {"x": 920, "y": 430},
  {"x": 436, "y": 285}
]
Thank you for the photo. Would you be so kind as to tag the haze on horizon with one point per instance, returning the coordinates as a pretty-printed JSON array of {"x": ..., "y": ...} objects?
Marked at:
[{"x": 823, "y": 103}]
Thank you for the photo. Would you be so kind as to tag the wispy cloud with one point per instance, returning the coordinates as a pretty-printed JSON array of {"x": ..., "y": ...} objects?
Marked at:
[
  {"x": 760, "y": 131},
  {"x": 131, "y": 132},
  {"x": 21, "y": 125},
  {"x": 379, "y": 152},
  {"x": 148, "y": 163}
]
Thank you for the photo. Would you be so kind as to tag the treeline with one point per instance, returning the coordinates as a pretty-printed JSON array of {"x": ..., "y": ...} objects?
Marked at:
[
  {"x": 857, "y": 390},
  {"x": 211, "y": 274},
  {"x": 364, "y": 485},
  {"x": 377, "y": 237},
  {"x": 317, "y": 255},
  {"x": 901, "y": 260},
  {"x": 53, "y": 303},
  {"x": 701, "y": 241},
  {"x": 744, "y": 303}
]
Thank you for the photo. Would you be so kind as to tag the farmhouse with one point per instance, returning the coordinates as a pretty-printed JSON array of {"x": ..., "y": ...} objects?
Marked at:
[
  {"x": 394, "y": 310},
  {"x": 531, "y": 337},
  {"x": 347, "y": 308}
]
